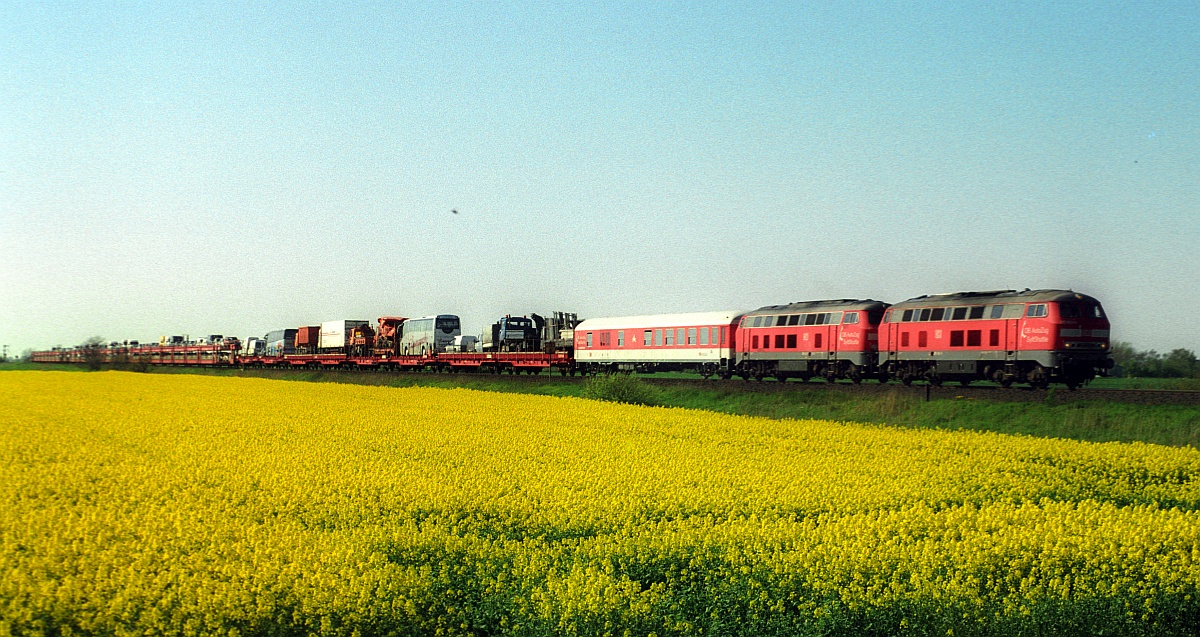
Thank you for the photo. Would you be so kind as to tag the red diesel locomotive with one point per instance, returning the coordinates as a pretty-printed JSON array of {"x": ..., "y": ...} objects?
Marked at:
[
  {"x": 812, "y": 339},
  {"x": 1034, "y": 336}
]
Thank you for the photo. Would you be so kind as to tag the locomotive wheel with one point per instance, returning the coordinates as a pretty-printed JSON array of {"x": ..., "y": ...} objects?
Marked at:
[{"x": 906, "y": 380}]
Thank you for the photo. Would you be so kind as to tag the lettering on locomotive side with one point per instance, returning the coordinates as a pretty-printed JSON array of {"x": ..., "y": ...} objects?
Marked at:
[{"x": 1035, "y": 334}]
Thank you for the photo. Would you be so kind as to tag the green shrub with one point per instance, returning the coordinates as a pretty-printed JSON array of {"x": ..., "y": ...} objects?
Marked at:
[{"x": 621, "y": 388}]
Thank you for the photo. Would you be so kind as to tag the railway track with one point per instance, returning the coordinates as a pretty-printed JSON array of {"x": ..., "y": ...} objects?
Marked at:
[{"x": 1055, "y": 395}]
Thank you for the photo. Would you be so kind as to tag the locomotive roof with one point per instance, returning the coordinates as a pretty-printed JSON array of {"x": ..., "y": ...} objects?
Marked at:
[
  {"x": 994, "y": 296},
  {"x": 659, "y": 320},
  {"x": 831, "y": 305}
]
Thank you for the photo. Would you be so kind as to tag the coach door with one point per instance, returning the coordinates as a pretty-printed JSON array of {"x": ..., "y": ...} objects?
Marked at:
[{"x": 1012, "y": 329}]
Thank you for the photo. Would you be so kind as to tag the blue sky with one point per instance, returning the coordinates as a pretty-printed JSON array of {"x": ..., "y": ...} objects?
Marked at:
[{"x": 239, "y": 167}]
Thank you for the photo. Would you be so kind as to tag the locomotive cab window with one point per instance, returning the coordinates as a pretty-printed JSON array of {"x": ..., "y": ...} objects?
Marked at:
[
  {"x": 850, "y": 318},
  {"x": 1036, "y": 311}
]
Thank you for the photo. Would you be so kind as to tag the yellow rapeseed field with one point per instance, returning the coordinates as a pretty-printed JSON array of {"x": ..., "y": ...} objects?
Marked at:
[{"x": 187, "y": 505}]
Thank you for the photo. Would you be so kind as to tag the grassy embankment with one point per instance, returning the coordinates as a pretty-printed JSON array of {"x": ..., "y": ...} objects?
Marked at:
[{"x": 1094, "y": 421}]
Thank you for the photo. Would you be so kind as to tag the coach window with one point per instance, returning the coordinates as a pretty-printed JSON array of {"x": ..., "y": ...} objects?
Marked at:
[
  {"x": 679, "y": 336},
  {"x": 647, "y": 336},
  {"x": 850, "y": 318},
  {"x": 691, "y": 336},
  {"x": 1036, "y": 311},
  {"x": 670, "y": 337},
  {"x": 620, "y": 338},
  {"x": 589, "y": 339},
  {"x": 976, "y": 311},
  {"x": 704, "y": 336},
  {"x": 658, "y": 338},
  {"x": 722, "y": 336},
  {"x": 960, "y": 313}
]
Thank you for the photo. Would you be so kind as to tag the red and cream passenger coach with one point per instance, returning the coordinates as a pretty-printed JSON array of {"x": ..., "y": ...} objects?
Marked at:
[{"x": 698, "y": 342}]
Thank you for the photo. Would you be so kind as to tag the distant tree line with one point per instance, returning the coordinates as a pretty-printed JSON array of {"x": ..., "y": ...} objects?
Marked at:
[{"x": 1133, "y": 363}]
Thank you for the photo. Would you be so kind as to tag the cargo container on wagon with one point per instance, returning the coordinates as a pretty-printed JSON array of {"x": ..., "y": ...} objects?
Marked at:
[
  {"x": 307, "y": 338},
  {"x": 335, "y": 335}
]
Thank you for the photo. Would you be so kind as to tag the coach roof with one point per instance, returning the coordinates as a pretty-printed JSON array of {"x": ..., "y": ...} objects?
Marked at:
[{"x": 659, "y": 320}]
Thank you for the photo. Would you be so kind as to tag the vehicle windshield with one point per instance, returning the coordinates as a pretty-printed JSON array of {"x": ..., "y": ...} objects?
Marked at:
[
  {"x": 1080, "y": 310},
  {"x": 447, "y": 324}
]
